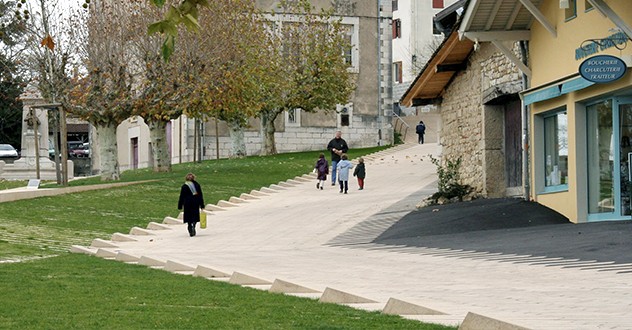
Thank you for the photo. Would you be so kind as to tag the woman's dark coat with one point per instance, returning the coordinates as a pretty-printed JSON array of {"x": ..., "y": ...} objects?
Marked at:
[{"x": 191, "y": 203}]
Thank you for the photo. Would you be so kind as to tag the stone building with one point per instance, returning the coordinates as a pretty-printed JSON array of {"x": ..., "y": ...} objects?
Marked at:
[
  {"x": 579, "y": 99},
  {"x": 475, "y": 88},
  {"x": 365, "y": 121}
]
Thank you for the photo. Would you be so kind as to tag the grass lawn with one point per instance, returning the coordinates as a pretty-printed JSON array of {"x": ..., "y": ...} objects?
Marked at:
[{"x": 65, "y": 290}]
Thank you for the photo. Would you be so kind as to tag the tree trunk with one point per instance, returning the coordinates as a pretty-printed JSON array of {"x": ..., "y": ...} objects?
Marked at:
[
  {"x": 108, "y": 150},
  {"x": 267, "y": 132},
  {"x": 159, "y": 145},
  {"x": 237, "y": 138}
]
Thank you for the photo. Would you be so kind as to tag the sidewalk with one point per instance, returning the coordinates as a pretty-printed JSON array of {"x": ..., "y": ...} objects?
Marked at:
[{"x": 324, "y": 241}]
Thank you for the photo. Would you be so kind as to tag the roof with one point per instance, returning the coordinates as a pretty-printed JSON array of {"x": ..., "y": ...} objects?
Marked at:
[
  {"x": 494, "y": 20},
  {"x": 445, "y": 63}
]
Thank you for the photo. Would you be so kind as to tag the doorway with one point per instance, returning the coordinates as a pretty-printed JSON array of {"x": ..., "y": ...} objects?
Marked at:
[{"x": 609, "y": 156}]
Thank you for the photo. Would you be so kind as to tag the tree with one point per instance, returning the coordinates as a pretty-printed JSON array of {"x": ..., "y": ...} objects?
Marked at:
[
  {"x": 229, "y": 43},
  {"x": 307, "y": 69},
  {"x": 185, "y": 13},
  {"x": 160, "y": 88},
  {"x": 103, "y": 96},
  {"x": 11, "y": 83}
]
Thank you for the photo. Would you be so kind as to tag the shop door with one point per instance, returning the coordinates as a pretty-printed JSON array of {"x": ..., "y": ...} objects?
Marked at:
[
  {"x": 609, "y": 151},
  {"x": 625, "y": 156}
]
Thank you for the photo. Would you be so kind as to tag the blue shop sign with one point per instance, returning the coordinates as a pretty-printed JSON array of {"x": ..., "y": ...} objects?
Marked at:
[{"x": 602, "y": 68}]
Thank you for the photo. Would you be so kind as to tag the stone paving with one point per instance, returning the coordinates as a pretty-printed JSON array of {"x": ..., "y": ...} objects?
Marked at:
[{"x": 318, "y": 243}]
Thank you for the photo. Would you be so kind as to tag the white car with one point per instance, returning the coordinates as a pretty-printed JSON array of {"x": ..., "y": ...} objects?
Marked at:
[{"x": 7, "y": 151}]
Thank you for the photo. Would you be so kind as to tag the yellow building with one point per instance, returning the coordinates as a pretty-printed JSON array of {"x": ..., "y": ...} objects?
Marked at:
[{"x": 580, "y": 124}]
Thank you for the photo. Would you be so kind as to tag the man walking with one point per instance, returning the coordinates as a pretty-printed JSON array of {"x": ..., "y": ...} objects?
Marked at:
[
  {"x": 421, "y": 130},
  {"x": 337, "y": 146}
]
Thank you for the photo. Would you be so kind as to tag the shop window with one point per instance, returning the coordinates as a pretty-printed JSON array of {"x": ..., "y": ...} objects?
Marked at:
[
  {"x": 397, "y": 28},
  {"x": 571, "y": 11},
  {"x": 587, "y": 5},
  {"x": 556, "y": 150},
  {"x": 600, "y": 145},
  {"x": 397, "y": 72},
  {"x": 437, "y": 4}
]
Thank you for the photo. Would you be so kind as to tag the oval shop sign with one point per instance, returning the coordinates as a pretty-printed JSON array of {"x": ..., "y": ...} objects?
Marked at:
[{"x": 602, "y": 68}]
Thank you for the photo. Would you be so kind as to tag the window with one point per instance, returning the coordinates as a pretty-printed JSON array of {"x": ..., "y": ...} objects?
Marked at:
[
  {"x": 397, "y": 72},
  {"x": 587, "y": 5},
  {"x": 344, "y": 117},
  {"x": 571, "y": 11},
  {"x": 293, "y": 117},
  {"x": 556, "y": 149},
  {"x": 437, "y": 3},
  {"x": 348, "y": 51},
  {"x": 394, "y": 5},
  {"x": 397, "y": 28}
]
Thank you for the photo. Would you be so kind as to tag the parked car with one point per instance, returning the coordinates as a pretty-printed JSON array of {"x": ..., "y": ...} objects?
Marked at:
[
  {"x": 82, "y": 150},
  {"x": 7, "y": 151}
]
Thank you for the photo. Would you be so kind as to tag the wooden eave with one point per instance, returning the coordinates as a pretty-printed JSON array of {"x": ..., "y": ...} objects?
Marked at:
[{"x": 432, "y": 81}]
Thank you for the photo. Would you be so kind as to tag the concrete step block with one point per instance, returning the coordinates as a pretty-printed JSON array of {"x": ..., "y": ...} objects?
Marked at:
[
  {"x": 293, "y": 182},
  {"x": 106, "y": 254},
  {"x": 82, "y": 249},
  {"x": 213, "y": 207},
  {"x": 151, "y": 262},
  {"x": 270, "y": 190},
  {"x": 475, "y": 321},
  {"x": 126, "y": 257},
  {"x": 118, "y": 237},
  {"x": 247, "y": 197},
  {"x": 237, "y": 200},
  {"x": 225, "y": 204},
  {"x": 208, "y": 272},
  {"x": 258, "y": 193},
  {"x": 276, "y": 187},
  {"x": 262, "y": 287},
  {"x": 301, "y": 179},
  {"x": 310, "y": 175},
  {"x": 171, "y": 221},
  {"x": 181, "y": 215},
  {"x": 243, "y": 279},
  {"x": 101, "y": 243},
  {"x": 173, "y": 266},
  {"x": 157, "y": 226},
  {"x": 400, "y": 307},
  {"x": 140, "y": 232},
  {"x": 287, "y": 287},
  {"x": 286, "y": 184},
  {"x": 341, "y": 297}
]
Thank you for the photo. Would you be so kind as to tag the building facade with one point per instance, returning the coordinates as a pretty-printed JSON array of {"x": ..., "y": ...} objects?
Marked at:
[
  {"x": 579, "y": 98},
  {"x": 365, "y": 121}
]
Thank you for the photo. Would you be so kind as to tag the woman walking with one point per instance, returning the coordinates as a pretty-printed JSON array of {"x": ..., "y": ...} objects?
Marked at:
[{"x": 192, "y": 200}]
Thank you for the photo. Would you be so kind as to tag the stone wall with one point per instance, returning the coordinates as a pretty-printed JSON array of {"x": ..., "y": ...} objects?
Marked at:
[{"x": 473, "y": 130}]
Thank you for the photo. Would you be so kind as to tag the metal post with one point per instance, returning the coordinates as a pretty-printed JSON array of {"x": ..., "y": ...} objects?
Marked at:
[
  {"x": 37, "y": 151},
  {"x": 64, "y": 145}
]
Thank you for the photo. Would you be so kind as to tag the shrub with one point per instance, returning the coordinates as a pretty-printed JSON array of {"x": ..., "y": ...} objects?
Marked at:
[{"x": 449, "y": 180}]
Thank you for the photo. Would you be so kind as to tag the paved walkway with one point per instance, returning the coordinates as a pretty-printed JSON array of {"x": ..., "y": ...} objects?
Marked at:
[{"x": 322, "y": 240}]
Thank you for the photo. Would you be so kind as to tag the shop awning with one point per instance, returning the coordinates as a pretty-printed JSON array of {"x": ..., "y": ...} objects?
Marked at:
[{"x": 555, "y": 89}]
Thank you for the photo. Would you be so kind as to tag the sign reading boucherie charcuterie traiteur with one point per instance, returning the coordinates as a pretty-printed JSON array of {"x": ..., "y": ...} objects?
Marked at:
[{"x": 602, "y": 68}]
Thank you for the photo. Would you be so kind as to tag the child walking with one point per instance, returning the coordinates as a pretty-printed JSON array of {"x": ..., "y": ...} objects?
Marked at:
[
  {"x": 344, "y": 165},
  {"x": 322, "y": 168},
  {"x": 360, "y": 173}
]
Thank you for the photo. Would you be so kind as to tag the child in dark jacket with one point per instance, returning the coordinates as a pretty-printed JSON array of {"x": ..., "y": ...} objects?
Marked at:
[
  {"x": 360, "y": 173},
  {"x": 322, "y": 168}
]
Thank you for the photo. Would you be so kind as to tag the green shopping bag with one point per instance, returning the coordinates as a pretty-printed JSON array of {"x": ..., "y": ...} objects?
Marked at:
[{"x": 202, "y": 219}]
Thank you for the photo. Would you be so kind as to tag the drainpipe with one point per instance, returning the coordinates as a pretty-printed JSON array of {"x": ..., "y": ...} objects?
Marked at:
[
  {"x": 524, "y": 52},
  {"x": 379, "y": 74}
]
